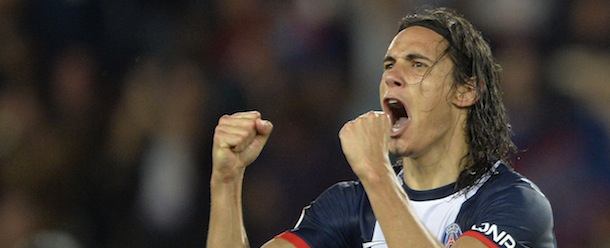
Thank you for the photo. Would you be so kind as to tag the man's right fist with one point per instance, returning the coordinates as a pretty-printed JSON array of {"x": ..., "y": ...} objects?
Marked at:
[{"x": 238, "y": 140}]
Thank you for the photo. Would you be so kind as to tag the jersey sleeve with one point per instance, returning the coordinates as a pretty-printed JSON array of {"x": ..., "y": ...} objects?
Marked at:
[
  {"x": 517, "y": 216},
  {"x": 330, "y": 220}
]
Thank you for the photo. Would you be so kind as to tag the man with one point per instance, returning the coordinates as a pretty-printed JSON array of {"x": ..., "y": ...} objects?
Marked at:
[{"x": 443, "y": 116}]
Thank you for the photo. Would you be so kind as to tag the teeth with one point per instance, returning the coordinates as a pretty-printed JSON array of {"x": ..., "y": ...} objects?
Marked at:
[
  {"x": 396, "y": 127},
  {"x": 392, "y": 101}
]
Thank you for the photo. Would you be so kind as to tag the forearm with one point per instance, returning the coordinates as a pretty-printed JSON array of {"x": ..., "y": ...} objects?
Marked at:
[
  {"x": 400, "y": 225},
  {"x": 226, "y": 228}
]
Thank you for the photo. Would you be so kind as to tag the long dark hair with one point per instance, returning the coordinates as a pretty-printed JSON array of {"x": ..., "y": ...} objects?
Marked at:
[{"x": 487, "y": 128}]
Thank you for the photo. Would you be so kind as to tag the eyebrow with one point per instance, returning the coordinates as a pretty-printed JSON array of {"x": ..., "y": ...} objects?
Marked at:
[{"x": 410, "y": 56}]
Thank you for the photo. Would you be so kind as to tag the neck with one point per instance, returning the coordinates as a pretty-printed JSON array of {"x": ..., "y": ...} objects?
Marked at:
[
  {"x": 425, "y": 177},
  {"x": 439, "y": 166}
]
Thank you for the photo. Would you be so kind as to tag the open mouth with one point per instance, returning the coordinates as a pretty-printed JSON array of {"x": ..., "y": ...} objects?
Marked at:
[{"x": 398, "y": 113}]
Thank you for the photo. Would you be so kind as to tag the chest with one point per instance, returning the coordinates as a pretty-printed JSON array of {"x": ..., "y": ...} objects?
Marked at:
[{"x": 438, "y": 216}]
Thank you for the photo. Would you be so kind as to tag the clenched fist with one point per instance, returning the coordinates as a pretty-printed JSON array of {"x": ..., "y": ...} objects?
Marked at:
[
  {"x": 364, "y": 141},
  {"x": 238, "y": 140}
]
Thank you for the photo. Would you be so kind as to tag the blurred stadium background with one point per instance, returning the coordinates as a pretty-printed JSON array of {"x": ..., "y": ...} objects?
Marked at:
[{"x": 107, "y": 109}]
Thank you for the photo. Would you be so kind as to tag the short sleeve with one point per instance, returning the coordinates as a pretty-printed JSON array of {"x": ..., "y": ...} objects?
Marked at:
[
  {"x": 517, "y": 216},
  {"x": 331, "y": 220}
]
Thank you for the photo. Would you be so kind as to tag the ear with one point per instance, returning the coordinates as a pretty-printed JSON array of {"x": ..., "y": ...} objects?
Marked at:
[{"x": 466, "y": 94}]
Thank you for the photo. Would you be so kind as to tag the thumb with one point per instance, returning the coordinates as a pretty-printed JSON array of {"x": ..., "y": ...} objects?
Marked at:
[
  {"x": 263, "y": 131},
  {"x": 263, "y": 128}
]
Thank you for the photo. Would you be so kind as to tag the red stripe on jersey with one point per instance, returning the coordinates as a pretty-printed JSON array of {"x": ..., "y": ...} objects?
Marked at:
[
  {"x": 293, "y": 239},
  {"x": 481, "y": 237}
]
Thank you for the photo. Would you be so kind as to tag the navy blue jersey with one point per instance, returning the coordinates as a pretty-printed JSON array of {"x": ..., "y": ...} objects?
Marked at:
[{"x": 503, "y": 210}]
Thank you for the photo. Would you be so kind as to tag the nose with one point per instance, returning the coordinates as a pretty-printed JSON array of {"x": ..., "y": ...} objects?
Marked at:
[{"x": 392, "y": 79}]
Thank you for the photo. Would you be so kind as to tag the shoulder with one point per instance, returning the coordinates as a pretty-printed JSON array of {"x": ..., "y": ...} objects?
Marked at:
[
  {"x": 505, "y": 183},
  {"x": 344, "y": 193},
  {"x": 334, "y": 219},
  {"x": 346, "y": 185},
  {"x": 508, "y": 191},
  {"x": 510, "y": 203}
]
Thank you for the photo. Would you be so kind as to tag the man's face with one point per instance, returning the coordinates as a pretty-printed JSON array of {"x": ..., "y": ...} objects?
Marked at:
[{"x": 416, "y": 91}]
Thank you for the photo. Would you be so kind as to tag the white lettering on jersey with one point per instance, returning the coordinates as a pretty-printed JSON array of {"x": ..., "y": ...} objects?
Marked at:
[{"x": 502, "y": 238}]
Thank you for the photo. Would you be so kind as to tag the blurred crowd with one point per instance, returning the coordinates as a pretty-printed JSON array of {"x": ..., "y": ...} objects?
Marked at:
[{"x": 107, "y": 109}]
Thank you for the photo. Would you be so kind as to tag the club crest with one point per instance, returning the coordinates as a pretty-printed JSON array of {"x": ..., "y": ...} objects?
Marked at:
[{"x": 452, "y": 232}]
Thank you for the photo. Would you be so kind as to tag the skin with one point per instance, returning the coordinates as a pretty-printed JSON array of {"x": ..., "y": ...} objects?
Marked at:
[
  {"x": 238, "y": 140},
  {"x": 432, "y": 143}
]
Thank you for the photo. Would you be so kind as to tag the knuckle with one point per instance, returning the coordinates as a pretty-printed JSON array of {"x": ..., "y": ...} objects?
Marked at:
[
  {"x": 218, "y": 129},
  {"x": 224, "y": 119}
]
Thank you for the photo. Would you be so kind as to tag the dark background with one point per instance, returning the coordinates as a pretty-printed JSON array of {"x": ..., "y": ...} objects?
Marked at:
[{"x": 107, "y": 109}]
